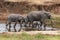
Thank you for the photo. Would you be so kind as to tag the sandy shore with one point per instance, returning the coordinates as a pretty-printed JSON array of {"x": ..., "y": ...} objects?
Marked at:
[{"x": 35, "y": 32}]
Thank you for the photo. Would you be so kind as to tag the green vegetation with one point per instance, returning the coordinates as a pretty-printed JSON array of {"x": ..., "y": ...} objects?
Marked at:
[
  {"x": 56, "y": 22},
  {"x": 25, "y": 36}
]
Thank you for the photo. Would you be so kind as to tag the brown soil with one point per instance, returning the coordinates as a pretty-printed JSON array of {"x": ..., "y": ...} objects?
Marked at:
[{"x": 35, "y": 32}]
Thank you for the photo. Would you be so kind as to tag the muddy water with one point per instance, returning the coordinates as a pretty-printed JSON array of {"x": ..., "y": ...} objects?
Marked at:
[{"x": 3, "y": 27}]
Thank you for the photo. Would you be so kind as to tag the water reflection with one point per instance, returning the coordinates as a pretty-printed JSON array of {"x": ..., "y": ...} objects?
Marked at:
[{"x": 3, "y": 27}]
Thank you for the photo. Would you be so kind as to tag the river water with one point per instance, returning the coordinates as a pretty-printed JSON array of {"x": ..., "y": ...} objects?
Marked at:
[{"x": 3, "y": 27}]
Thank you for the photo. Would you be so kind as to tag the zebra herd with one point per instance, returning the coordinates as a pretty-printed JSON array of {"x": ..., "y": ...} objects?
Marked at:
[{"x": 32, "y": 16}]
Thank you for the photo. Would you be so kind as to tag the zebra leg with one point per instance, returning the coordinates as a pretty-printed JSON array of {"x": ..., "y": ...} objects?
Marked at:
[
  {"x": 29, "y": 24},
  {"x": 40, "y": 26},
  {"x": 7, "y": 24},
  {"x": 25, "y": 24},
  {"x": 35, "y": 25},
  {"x": 14, "y": 27},
  {"x": 20, "y": 27},
  {"x": 32, "y": 25},
  {"x": 45, "y": 26},
  {"x": 9, "y": 27}
]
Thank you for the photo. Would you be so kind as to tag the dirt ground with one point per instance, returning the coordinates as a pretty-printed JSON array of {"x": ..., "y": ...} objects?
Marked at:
[{"x": 34, "y": 32}]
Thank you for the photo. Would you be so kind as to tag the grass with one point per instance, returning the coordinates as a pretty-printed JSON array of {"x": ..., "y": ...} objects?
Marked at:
[
  {"x": 56, "y": 22},
  {"x": 25, "y": 36}
]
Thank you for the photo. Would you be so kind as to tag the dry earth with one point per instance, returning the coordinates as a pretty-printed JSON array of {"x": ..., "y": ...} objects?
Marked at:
[{"x": 34, "y": 32}]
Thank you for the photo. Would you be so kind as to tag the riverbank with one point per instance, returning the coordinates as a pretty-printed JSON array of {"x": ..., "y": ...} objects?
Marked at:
[{"x": 35, "y": 32}]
